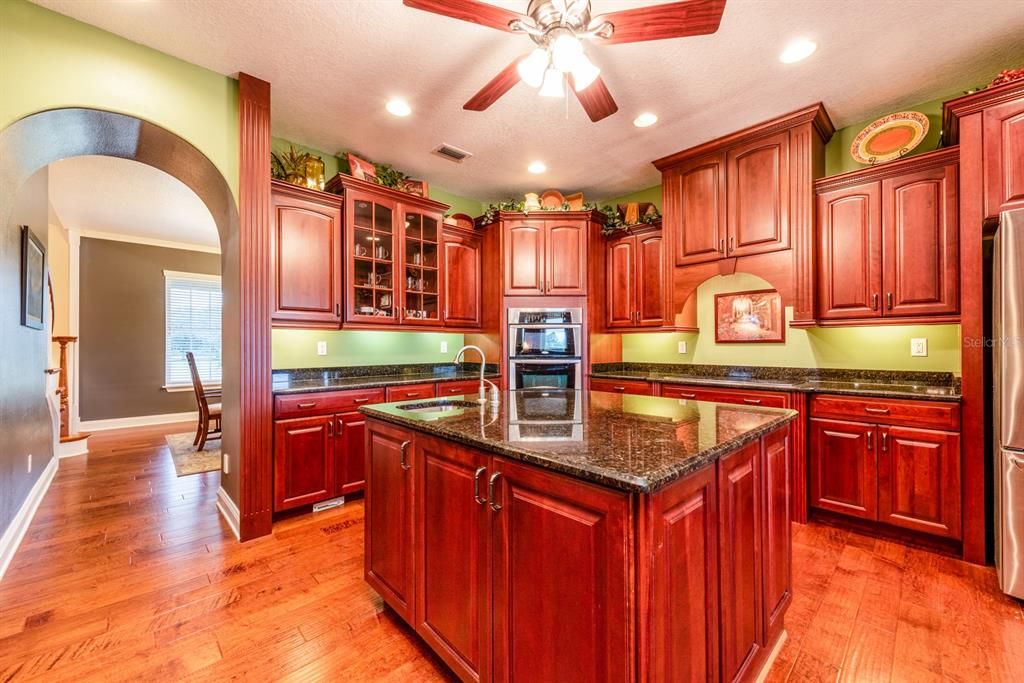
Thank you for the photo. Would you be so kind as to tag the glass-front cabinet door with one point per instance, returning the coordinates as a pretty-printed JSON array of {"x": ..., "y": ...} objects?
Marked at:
[
  {"x": 420, "y": 273},
  {"x": 373, "y": 258}
]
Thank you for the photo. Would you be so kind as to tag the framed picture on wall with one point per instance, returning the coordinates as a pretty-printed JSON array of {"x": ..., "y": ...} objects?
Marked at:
[
  {"x": 750, "y": 317},
  {"x": 33, "y": 279}
]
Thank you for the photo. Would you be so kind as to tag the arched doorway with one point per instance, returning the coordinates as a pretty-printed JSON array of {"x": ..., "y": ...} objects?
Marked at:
[{"x": 35, "y": 141}]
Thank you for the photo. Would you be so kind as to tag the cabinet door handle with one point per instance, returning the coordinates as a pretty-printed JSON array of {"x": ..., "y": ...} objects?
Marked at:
[
  {"x": 311, "y": 404},
  {"x": 721, "y": 246},
  {"x": 490, "y": 492},
  {"x": 885, "y": 442},
  {"x": 732, "y": 244},
  {"x": 341, "y": 426},
  {"x": 337, "y": 310},
  {"x": 889, "y": 300},
  {"x": 403, "y": 463},
  {"x": 476, "y": 486},
  {"x": 330, "y": 429},
  {"x": 874, "y": 302},
  {"x": 871, "y": 439},
  {"x": 752, "y": 401},
  {"x": 877, "y": 411}
]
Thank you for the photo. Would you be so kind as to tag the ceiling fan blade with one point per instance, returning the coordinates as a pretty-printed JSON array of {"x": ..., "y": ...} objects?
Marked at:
[
  {"x": 469, "y": 10},
  {"x": 657, "y": 22},
  {"x": 596, "y": 100},
  {"x": 498, "y": 86}
]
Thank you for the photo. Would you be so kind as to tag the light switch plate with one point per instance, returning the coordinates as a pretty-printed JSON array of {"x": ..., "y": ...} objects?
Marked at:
[
  {"x": 444, "y": 347},
  {"x": 919, "y": 347},
  {"x": 321, "y": 348},
  {"x": 682, "y": 347}
]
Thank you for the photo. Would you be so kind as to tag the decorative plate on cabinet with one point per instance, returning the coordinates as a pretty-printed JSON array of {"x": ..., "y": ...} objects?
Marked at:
[
  {"x": 890, "y": 137},
  {"x": 552, "y": 199}
]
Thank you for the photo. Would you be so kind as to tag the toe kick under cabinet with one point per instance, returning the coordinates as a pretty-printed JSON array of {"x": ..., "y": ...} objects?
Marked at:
[{"x": 889, "y": 461}]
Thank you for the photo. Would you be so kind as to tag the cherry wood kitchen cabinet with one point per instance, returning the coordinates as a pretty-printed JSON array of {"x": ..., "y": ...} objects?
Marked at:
[
  {"x": 407, "y": 392},
  {"x": 545, "y": 255},
  {"x": 622, "y": 386},
  {"x": 389, "y": 516},
  {"x": 535, "y": 588},
  {"x": 303, "y": 461},
  {"x": 890, "y": 461},
  {"x": 777, "y": 577},
  {"x": 306, "y": 235},
  {"x": 698, "y": 185},
  {"x": 757, "y": 173},
  {"x": 635, "y": 279},
  {"x": 462, "y": 278},
  {"x": 1003, "y": 131},
  {"x": 350, "y": 453},
  {"x": 889, "y": 242},
  {"x": 452, "y": 544}
]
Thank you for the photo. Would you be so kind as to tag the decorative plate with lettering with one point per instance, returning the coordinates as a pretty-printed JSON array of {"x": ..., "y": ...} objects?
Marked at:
[{"x": 890, "y": 137}]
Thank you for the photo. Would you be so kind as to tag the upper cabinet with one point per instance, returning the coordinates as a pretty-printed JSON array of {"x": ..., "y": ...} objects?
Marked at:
[
  {"x": 545, "y": 255},
  {"x": 635, "y": 266},
  {"x": 889, "y": 242},
  {"x": 699, "y": 187},
  {"x": 757, "y": 173},
  {"x": 306, "y": 247},
  {"x": 462, "y": 263},
  {"x": 1003, "y": 134}
]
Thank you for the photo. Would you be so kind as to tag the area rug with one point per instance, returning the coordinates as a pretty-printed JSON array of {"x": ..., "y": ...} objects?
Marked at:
[{"x": 187, "y": 460}]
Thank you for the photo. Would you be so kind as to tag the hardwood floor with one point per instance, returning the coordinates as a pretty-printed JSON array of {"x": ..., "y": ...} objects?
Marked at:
[{"x": 127, "y": 572}]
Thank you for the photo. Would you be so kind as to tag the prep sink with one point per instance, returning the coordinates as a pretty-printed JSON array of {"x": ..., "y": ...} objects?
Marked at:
[{"x": 443, "y": 405}]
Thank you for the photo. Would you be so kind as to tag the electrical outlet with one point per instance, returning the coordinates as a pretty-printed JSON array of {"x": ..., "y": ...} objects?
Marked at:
[
  {"x": 321, "y": 348},
  {"x": 225, "y": 462},
  {"x": 29, "y": 463},
  {"x": 682, "y": 347},
  {"x": 444, "y": 347},
  {"x": 919, "y": 347}
]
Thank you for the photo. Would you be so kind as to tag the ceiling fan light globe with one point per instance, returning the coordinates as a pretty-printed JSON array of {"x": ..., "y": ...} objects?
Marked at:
[
  {"x": 584, "y": 74},
  {"x": 532, "y": 67},
  {"x": 552, "y": 86},
  {"x": 566, "y": 51}
]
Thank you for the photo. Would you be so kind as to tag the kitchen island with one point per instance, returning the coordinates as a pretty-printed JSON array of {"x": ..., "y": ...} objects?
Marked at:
[{"x": 583, "y": 536}]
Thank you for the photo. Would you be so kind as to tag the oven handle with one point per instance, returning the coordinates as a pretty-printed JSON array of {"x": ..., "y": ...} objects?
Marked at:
[
  {"x": 566, "y": 360},
  {"x": 544, "y": 326}
]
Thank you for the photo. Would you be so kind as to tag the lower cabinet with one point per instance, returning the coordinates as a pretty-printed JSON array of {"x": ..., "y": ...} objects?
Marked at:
[
  {"x": 303, "y": 461},
  {"x": 350, "y": 453},
  {"x": 389, "y": 516},
  {"x": 896, "y": 473},
  {"x": 511, "y": 572},
  {"x": 625, "y": 386}
]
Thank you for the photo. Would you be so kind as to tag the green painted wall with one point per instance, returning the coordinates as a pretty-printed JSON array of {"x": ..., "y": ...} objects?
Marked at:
[
  {"x": 870, "y": 348},
  {"x": 297, "y": 348},
  {"x": 333, "y": 164},
  {"x": 837, "y": 151},
  {"x": 49, "y": 61},
  {"x": 651, "y": 194}
]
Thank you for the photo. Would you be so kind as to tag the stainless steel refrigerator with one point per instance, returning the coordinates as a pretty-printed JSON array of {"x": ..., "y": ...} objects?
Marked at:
[{"x": 1008, "y": 407}]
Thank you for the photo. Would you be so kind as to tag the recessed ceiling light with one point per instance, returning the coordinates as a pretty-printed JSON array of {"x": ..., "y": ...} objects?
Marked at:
[
  {"x": 645, "y": 119},
  {"x": 798, "y": 49},
  {"x": 398, "y": 107},
  {"x": 537, "y": 167}
]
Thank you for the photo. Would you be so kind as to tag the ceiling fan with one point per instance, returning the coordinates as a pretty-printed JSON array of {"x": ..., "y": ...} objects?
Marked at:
[{"x": 559, "y": 27}]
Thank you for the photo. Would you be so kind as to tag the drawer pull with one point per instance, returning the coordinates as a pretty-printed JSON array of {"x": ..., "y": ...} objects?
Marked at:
[
  {"x": 360, "y": 400},
  {"x": 752, "y": 401},
  {"x": 412, "y": 394},
  {"x": 311, "y": 404},
  {"x": 617, "y": 388},
  {"x": 877, "y": 411},
  {"x": 682, "y": 395}
]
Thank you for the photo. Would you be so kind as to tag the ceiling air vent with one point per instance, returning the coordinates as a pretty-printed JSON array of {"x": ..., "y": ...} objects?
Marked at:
[{"x": 452, "y": 153}]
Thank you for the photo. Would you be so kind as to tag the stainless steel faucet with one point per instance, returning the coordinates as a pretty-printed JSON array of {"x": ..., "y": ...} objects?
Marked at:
[{"x": 495, "y": 395}]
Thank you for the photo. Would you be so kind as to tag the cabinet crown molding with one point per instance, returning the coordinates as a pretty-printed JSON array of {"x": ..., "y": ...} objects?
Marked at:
[
  {"x": 815, "y": 114},
  {"x": 542, "y": 215},
  {"x": 282, "y": 187},
  {"x": 972, "y": 103},
  {"x": 341, "y": 182},
  {"x": 940, "y": 157}
]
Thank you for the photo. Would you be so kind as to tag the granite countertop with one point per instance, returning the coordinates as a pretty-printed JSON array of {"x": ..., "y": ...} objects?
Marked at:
[
  {"x": 935, "y": 386},
  {"x": 303, "y": 385},
  {"x": 630, "y": 443}
]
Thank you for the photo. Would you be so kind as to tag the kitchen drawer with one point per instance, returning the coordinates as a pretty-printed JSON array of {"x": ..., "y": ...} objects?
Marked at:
[
  {"x": 886, "y": 411},
  {"x": 468, "y": 387},
  {"x": 622, "y": 386},
  {"x": 764, "y": 399},
  {"x": 407, "y": 392},
  {"x": 325, "y": 402}
]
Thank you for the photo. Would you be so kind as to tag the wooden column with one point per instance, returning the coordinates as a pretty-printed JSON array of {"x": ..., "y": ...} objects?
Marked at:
[
  {"x": 62, "y": 384},
  {"x": 256, "y": 448}
]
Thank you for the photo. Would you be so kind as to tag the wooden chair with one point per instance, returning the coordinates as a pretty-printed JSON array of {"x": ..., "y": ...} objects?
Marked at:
[{"x": 207, "y": 411}]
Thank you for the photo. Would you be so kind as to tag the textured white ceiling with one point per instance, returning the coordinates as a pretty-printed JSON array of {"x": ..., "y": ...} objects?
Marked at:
[
  {"x": 123, "y": 197},
  {"x": 334, "y": 63}
]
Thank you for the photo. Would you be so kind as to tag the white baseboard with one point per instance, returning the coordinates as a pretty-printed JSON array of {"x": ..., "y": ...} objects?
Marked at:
[
  {"x": 139, "y": 421},
  {"x": 72, "y": 448},
  {"x": 15, "y": 532},
  {"x": 229, "y": 511}
]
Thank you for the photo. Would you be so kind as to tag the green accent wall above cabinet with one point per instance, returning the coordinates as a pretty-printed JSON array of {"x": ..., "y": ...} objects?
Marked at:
[{"x": 292, "y": 349}]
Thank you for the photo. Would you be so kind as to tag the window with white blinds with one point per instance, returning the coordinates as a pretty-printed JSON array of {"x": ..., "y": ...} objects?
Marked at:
[{"x": 193, "y": 310}]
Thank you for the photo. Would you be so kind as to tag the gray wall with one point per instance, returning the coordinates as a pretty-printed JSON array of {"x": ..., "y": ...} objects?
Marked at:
[
  {"x": 25, "y": 423},
  {"x": 121, "y": 327}
]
